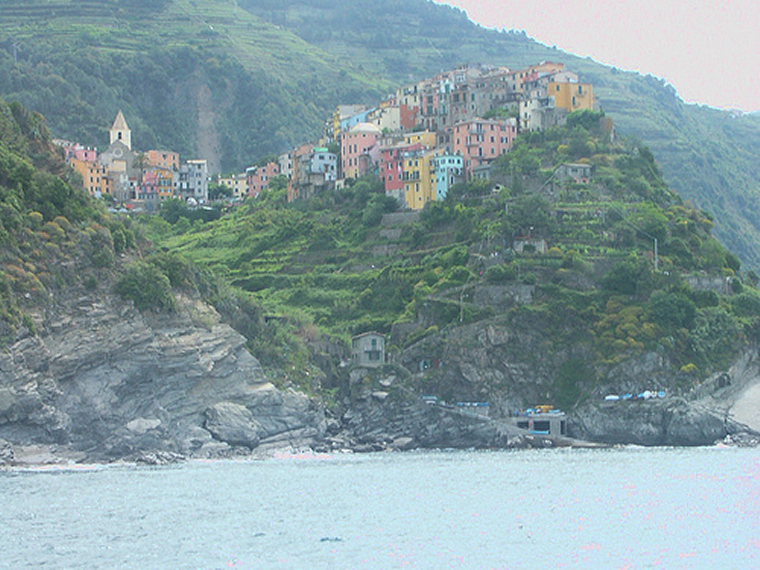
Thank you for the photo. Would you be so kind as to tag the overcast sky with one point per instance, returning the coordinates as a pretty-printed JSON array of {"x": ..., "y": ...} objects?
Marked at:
[{"x": 709, "y": 50}]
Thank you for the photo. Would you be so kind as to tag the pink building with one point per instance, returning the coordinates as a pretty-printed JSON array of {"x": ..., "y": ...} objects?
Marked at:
[
  {"x": 355, "y": 147},
  {"x": 258, "y": 177},
  {"x": 78, "y": 152},
  {"x": 86, "y": 154},
  {"x": 480, "y": 141}
]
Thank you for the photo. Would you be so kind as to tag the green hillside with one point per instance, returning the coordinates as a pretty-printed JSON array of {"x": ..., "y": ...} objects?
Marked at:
[
  {"x": 335, "y": 265},
  {"x": 708, "y": 156},
  {"x": 236, "y": 80},
  {"x": 53, "y": 237},
  {"x": 203, "y": 78}
]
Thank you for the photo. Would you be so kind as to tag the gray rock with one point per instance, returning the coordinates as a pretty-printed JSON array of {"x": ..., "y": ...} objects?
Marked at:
[
  {"x": 651, "y": 422},
  {"x": 142, "y": 425},
  {"x": 105, "y": 378},
  {"x": 233, "y": 424},
  {"x": 402, "y": 443},
  {"x": 159, "y": 458},
  {"x": 7, "y": 453}
]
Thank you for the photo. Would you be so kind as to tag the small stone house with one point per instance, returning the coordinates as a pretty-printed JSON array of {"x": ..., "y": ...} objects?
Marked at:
[
  {"x": 368, "y": 349},
  {"x": 526, "y": 244},
  {"x": 577, "y": 172}
]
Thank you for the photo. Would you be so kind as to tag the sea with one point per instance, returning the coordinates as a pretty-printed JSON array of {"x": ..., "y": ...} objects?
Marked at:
[{"x": 626, "y": 507}]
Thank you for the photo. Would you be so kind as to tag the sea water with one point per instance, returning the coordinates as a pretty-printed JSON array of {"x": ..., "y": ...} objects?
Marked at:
[{"x": 529, "y": 509}]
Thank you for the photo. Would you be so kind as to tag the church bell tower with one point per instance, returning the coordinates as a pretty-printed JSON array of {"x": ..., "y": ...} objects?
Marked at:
[{"x": 120, "y": 131}]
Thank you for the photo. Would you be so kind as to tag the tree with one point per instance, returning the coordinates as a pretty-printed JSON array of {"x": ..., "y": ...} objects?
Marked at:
[
  {"x": 530, "y": 214},
  {"x": 629, "y": 277},
  {"x": 219, "y": 192},
  {"x": 672, "y": 310}
]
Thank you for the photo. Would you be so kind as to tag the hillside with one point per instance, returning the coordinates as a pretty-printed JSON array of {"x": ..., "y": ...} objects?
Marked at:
[
  {"x": 708, "y": 156},
  {"x": 113, "y": 348},
  {"x": 236, "y": 80},
  {"x": 107, "y": 355},
  {"x": 564, "y": 269},
  {"x": 205, "y": 79}
]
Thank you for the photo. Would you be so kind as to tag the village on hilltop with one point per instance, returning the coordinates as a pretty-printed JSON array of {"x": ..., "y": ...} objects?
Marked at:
[{"x": 420, "y": 141}]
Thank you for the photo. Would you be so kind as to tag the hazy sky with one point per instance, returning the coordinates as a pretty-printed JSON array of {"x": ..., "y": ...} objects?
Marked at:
[{"x": 709, "y": 50}]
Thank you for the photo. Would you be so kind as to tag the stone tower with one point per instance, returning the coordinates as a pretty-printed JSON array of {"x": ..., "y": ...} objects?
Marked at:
[{"x": 120, "y": 131}]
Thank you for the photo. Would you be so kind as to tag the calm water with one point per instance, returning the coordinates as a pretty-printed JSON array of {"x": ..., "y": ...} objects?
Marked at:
[{"x": 619, "y": 508}]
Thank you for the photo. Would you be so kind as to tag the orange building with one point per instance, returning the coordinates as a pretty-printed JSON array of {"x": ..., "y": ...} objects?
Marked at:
[
  {"x": 572, "y": 96},
  {"x": 162, "y": 159},
  {"x": 94, "y": 177}
]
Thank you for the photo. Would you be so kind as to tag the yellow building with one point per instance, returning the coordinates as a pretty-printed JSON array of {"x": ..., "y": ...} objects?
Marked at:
[
  {"x": 420, "y": 186},
  {"x": 237, "y": 183},
  {"x": 94, "y": 177},
  {"x": 165, "y": 183},
  {"x": 423, "y": 137},
  {"x": 572, "y": 96}
]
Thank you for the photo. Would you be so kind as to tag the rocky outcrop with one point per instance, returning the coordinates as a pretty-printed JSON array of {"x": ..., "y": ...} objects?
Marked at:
[
  {"x": 395, "y": 418},
  {"x": 105, "y": 379},
  {"x": 517, "y": 365},
  {"x": 672, "y": 421},
  {"x": 7, "y": 453}
]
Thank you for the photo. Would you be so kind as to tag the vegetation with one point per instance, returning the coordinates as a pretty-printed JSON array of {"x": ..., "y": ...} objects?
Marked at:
[
  {"x": 334, "y": 266},
  {"x": 280, "y": 67},
  {"x": 51, "y": 234}
]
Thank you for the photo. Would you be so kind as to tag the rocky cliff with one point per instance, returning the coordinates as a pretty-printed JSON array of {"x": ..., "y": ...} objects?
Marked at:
[{"x": 103, "y": 381}]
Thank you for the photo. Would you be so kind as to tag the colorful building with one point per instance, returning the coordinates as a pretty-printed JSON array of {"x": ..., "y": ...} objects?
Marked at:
[
  {"x": 572, "y": 96},
  {"x": 449, "y": 170},
  {"x": 355, "y": 147},
  {"x": 481, "y": 141},
  {"x": 258, "y": 178},
  {"x": 392, "y": 168},
  {"x": 420, "y": 185},
  {"x": 94, "y": 177},
  {"x": 157, "y": 185},
  {"x": 314, "y": 169},
  {"x": 162, "y": 159},
  {"x": 238, "y": 183},
  {"x": 425, "y": 138},
  {"x": 192, "y": 181}
]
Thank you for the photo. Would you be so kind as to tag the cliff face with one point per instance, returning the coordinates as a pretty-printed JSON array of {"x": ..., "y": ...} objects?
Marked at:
[
  {"x": 514, "y": 366},
  {"x": 104, "y": 381}
]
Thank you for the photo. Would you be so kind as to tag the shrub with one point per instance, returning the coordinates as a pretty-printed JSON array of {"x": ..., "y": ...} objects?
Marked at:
[
  {"x": 746, "y": 305},
  {"x": 500, "y": 273},
  {"x": 672, "y": 310},
  {"x": 146, "y": 286}
]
